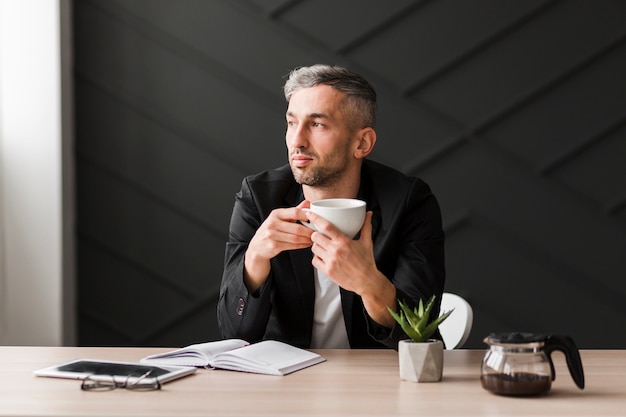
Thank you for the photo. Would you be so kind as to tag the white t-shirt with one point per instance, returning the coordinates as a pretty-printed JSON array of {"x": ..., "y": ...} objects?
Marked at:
[{"x": 329, "y": 327}]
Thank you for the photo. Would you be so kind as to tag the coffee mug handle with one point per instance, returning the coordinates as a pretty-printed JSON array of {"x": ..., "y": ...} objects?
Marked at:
[{"x": 308, "y": 223}]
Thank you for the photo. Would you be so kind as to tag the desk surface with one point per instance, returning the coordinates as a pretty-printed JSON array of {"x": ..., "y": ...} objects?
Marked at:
[{"x": 351, "y": 382}]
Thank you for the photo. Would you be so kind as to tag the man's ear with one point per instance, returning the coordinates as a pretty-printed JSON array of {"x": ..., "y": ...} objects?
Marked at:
[{"x": 366, "y": 142}]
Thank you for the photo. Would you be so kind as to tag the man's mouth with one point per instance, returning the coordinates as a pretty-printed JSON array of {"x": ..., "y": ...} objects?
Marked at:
[{"x": 300, "y": 161}]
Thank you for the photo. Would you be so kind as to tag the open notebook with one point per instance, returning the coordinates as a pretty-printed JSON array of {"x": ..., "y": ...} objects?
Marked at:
[{"x": 267, "y": 357}]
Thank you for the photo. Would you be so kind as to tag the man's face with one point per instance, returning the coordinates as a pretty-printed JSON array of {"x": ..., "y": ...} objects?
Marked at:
[{"x": 319, "y": 142}]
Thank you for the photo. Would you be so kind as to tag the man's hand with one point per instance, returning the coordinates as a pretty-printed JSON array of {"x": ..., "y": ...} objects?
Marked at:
[
  {"x": 279, "y": 232},
  {"x": 351, "y": 264}
]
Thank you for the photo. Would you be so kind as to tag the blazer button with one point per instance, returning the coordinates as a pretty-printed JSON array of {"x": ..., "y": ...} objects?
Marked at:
[{"x": 240, "y": 306}]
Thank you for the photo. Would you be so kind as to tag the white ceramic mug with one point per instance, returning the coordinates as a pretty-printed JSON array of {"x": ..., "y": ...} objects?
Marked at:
[{"x": 346, "y": 214}]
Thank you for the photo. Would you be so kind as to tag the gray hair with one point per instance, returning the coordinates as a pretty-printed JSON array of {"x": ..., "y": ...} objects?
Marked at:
[{"x": 360, "y": 105}]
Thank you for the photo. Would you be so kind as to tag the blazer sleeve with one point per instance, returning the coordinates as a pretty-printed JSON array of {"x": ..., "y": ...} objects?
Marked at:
[
  {"x": 409, "y": 250},
  {"x": 241, "y": 314}
]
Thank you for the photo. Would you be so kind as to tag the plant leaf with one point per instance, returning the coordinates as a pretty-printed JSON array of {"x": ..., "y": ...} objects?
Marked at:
[
  {"x": 411, "y": 318},
  {"x": 430, "y": 329},
  {"x": 397, "y": 317},
  {"x": 420, "y": 312},
  {"x": 415, "y": 323},
  {"x": 404, "y": 323}
]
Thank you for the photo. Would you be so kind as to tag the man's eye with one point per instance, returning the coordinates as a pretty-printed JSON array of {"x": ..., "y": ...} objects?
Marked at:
[{"x": 317, "y": 124}]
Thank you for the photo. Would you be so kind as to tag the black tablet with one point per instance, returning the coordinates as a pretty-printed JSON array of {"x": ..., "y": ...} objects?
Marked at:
[{"x": 82, "y": 368}]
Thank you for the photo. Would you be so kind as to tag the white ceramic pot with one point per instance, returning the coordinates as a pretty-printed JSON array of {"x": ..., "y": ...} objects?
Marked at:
[{"x": 421, "y": 362}]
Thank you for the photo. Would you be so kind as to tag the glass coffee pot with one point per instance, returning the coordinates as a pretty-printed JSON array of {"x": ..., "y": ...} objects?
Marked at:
[{"x": 520, "y": 363}]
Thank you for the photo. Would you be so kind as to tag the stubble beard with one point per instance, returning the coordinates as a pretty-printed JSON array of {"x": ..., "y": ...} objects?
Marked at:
[
  {"x": 322, "y": 176},
  {"x": 318, "y": 177}
]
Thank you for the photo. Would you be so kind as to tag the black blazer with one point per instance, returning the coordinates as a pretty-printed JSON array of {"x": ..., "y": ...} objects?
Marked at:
[{"x": 408, "y": 248}]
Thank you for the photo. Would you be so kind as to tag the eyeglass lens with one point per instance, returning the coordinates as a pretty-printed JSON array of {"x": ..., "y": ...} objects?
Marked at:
[{"x": 108, "y": 383}]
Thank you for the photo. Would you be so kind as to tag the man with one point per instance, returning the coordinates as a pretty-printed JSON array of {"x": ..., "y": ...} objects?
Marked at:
[{"x": 322, "y": 289}]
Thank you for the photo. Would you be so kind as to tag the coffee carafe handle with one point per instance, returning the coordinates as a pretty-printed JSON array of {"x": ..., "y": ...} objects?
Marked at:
[{"x": 566, "y": 345}]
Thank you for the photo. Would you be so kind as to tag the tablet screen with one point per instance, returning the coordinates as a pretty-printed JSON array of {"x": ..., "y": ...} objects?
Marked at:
[{"x": 80, "y": 369}]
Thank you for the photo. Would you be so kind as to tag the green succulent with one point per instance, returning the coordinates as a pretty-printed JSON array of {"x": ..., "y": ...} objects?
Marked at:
[{"x": 415, "y": 323}]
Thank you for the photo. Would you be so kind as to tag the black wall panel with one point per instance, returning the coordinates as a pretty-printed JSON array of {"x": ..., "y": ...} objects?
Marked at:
[{"x": 513, "y": 111}]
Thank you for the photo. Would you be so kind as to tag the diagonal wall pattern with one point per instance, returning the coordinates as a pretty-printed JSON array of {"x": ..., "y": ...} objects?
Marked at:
[{"x": 513, "y": 111}]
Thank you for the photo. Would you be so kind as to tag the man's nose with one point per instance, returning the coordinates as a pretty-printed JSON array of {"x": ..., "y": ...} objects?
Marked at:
[{"x": 297, "y": 138}]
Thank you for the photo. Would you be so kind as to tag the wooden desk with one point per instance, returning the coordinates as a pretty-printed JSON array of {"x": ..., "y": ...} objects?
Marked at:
[{"x": 351, "y": 382}]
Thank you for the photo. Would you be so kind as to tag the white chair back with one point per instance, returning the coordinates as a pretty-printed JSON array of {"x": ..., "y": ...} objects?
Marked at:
[{"x": 456, "y": 328}]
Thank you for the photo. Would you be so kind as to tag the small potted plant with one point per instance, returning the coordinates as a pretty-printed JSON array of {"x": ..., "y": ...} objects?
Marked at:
[{"x": 420, "y": 357}]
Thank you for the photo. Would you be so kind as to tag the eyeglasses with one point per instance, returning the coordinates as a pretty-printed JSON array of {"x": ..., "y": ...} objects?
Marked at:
[{"x": 108, "y": 383}]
